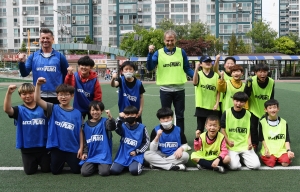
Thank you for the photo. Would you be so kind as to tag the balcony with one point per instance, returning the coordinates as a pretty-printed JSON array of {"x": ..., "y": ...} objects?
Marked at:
[
  {"x": 127, "y": 11},
  {"x": 147, "y": 21},
  {"x": 31, "y": 23},
  {"x": 31, "y": 12},
  {"x": 97, "y": 32},
  {"x": 16, "y": 34},
  {"x": 3, "y": 34},
  {"x": 227, "y": 20},
  {"x": 2, "y": 3},
  {"x": 83, "y": 33},
  {"x": 179, "y": 10},
  {"x": 162, "y": 10},
  {"x": 17, "y": 44},
  {"x": 16, "y": 13},
  {"x": 30, "y": 2},
  {"x": 82, "y": 22},
  {"x": 132, "y": 21},
  {"x": 112, "y": 32},
  {"x": 16, "y": 24},
  {"x": 97, "y": 22},
  {"x": 180, "y": 20},
  {"x": 244, "y": 19},
  {"x": 2, "y": 13},
  {"x": 3, "y": 24},
  {"x": 79, "y": 11},
  {"x": 49, "y": 22},
  {"x": 3, "y": 45},
  {"x": 227, "y": 31},
  {"x": 46, "y": 11}
]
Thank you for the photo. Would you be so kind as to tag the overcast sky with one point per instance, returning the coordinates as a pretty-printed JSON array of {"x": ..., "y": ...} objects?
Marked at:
[{"x": 270, "y": 13}]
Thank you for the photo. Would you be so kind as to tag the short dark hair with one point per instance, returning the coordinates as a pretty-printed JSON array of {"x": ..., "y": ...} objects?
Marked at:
[
  {"x": 86, "y": 61},
  {"x": 164, "y": 112},
  {"x": 128, "y": 63},
  {"x": 64, "y": 88},
  {"x": 212, "y": 118},
  {"x": 236, "y": 68},
  {"x": 229, "y": 58},
  {"x": 26, "y": 88},
  {"x": 240, "y": 96},
  {"x": 261, "y": 67},
  {"x": 97, "y": 105},
  {"x": 130, "y": 110},
  {"x": 46, "y": 30},
  {"x": 271, "y": 102}
]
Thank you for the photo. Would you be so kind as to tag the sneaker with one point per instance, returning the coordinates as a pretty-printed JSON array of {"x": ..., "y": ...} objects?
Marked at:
[
  {"x": 152, "y": 167},
  {"x": 187, "y": 146},
  {"x": 179, "y": 167},
  {"x": 199, "y": 167},
  {"x": 220, "y": 169}
]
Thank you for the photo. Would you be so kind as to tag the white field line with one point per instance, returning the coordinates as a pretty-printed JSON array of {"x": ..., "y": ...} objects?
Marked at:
[{"x": 188, "y": 169}]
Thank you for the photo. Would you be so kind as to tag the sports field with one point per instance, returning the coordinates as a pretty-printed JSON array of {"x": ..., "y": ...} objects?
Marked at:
[{"x": 277, "y": 179}]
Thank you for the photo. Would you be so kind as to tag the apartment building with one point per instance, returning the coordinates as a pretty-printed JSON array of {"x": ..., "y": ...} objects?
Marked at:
[
  {"x": 106, "y": 21},
  {"x": 288, "y": 17}
]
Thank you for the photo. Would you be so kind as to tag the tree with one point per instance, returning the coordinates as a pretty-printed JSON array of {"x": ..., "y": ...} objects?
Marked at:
[
  {"x": 194, "y": 30},
  {"x": 294, "y": 37},
  {"x": 88, "y": 40},
  {"x": 216, "y": 45},
  {"x": 150, "y": 36},
  {"x": 263, "y": 37},
  {"x": 23, "y": 48},
  {"x": 193, "y": 47},
  {"x": 242, "y": 47},
  {"x": 285, "y": 45},
  {"x": 232, "y": 45}
]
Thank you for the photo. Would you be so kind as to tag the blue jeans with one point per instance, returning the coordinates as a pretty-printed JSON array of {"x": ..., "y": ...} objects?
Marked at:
[
  {"x": 135, "y": 168},
  {"x": 178, "y": 100}
]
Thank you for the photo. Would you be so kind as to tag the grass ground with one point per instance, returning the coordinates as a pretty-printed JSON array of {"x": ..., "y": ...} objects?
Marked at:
[{"x": 263, "y": 180}]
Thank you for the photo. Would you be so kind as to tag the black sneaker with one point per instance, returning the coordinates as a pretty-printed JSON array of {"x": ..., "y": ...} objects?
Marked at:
[{"x": 175, "y": 168}]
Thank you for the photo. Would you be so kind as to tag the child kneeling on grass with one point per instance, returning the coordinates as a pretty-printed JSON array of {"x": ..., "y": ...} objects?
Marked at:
[
  {"x": 167, "y": 149},
  {"x": 32, "y": 127},
  {"x": 133, "y": 144},
  {"x": 64, "y": 128},
  {"x": 97, "y": 139},
  {"x": 210, "y": 147},
  {"x": 274, "y": 136}
]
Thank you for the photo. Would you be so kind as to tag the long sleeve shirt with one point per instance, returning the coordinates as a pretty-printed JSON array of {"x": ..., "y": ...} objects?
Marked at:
[
  {"x": 70, "y": 80},
  {"x": 198, "y": 145}
]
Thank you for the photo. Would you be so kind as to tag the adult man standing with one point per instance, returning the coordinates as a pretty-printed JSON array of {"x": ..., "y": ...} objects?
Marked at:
[
  {"x": 47, "y": 63},
  {"x": 172, "y": 66}
]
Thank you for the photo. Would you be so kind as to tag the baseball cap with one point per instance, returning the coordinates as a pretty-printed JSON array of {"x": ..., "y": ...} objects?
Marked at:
[{"x": 205, "y": 58}]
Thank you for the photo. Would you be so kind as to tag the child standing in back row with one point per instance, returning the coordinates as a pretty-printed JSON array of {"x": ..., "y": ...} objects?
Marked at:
[
  {"x": 32, "y": 127},
  {"x": 86, "y": 84},
  {"x": 206, "y": 94},
  {"x": 64, "y": 128},
  {"x": 131, "y": 89},
  {"x": 274, "y": 135},
  {"x": 259, "y": 89}
]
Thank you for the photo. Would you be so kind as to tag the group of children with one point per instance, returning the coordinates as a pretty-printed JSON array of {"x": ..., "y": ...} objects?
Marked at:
[{"x": 50, "y": 135}]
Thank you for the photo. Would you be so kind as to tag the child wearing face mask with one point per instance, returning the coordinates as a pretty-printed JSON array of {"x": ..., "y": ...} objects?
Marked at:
[
  {"x": 133, "y": 143},
  {"x": 131, "y": 89},
  {"x": 166, "y": 148}
]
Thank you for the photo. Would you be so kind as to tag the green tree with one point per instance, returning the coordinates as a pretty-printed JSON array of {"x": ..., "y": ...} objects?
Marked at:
[
  {"x": 88, "y": 40},
  {"x": 23, "y": 48},
  {"x": 263, "y": 37},
  {"x": 140, "y": 47},
  {"x": 294, "y": 37},
  {"x": 232, "y": 45},
  {"x": 216, "y": 45},
  {"x": 193, "y": 30},
  {"x": 285, "y": 45},
  {"x": 243, "y": 48}
]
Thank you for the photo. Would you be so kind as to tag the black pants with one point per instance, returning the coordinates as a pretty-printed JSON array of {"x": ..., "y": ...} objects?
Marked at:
[
  {"x": 201, "y": 123},
  {"x": 254, "y": 129},
  {"x": 31, "y": 161},
  {"x": 207, "y": 163},
  {"x": 59, "y": 158},
  {"x": 89, "y": 169}
]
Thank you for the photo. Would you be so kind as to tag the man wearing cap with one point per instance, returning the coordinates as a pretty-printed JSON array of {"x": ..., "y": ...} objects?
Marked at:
[
  {"x": 207, "y": 96},
  {"x": 172, "y": 67}
]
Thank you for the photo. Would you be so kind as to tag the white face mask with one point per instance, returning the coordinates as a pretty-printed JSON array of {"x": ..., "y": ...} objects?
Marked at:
[
  {"x": 166, "y": 125},
  {"x": 128, "y": 75}
]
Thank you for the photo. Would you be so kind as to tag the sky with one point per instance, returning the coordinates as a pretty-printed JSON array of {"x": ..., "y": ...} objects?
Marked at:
[{"x": 270, "y": 13}]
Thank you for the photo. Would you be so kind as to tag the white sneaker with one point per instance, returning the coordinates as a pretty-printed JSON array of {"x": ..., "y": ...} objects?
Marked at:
[
  {"x": 186, "y": 146},
  {"x": 220, "y": 169},
  {"x": 182, "y": 167}
]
